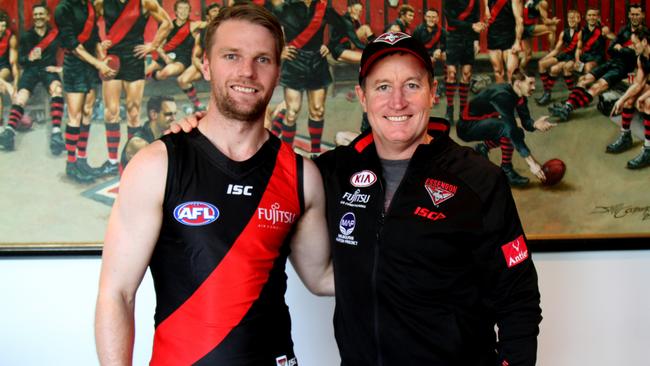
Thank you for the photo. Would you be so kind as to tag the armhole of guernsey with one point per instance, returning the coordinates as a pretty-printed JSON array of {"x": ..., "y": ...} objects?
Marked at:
[
  {"x": 171, "y": 167},
  {"x": 300, "y": 182}
]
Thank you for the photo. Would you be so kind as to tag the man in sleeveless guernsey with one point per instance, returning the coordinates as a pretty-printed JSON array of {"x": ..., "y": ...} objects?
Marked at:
[
  {"x": 37, "y": 56},
  {"x": 434, "y": 39},
  {"x": 537, "y": 22},
  {"x": 636, "y": 96},
  {"x": 561, "y": 59},
  {"x": 622, "y": 62},
  {"x": 193, "y": 73},
  {"x": 464, "y": 26},
  {"x": 404, "y": 19},
  {"x": 125, "y": 23},
  {"x": 175, "y": 57},
  {"x": 304, "y": 65},
  {"x": 505, "y": 29},
  {"x": 161, "y": 111},
  {"x": 77, "y": 24},
  {"x": 8, "y": 70},
  {"x": 215, "y": 213},
  {"x": 429, "y": 253},
  {"x": 491, "y": 117}
]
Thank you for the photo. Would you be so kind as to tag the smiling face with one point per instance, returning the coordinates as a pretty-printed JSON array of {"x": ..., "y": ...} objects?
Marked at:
[
  {"x": 182, "y": 11},
  {"x": 355, "y": 11},
  {"x": 242, "y": 69},
  {"x": 40, "y": 17},
  {"x": 431, "y": 18},
  {"x": 573, "y": 19},
  {"x": 398, "y": 98},
  {"x": 593, "y": 17}
]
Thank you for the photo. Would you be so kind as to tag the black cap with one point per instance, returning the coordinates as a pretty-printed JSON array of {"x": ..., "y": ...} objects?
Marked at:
[{"x": 392, "y": 42}]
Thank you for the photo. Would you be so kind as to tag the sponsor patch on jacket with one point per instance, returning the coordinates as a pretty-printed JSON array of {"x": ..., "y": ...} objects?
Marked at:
[
  {"x": 347, "y": 224},
  {"x": 363, "y": 179},
  {"x": 284, "y": 361},
  {"x": 196, "y": 213},
  {"x": 515, "y": 252},
  {"x": 439, "y": 191},
  {"x": 355, "y": 199}
]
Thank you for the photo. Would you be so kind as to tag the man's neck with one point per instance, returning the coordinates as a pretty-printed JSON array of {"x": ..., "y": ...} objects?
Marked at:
[
  {"x": 179, "y": 22},
  {"x": 238, "y": 140},
  {"x": 40, "y": 30},
  {"x": 401, "y": 151}
]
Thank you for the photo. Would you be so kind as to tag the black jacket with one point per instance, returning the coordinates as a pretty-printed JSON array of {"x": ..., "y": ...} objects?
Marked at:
[{"x": 425, "y": 282}]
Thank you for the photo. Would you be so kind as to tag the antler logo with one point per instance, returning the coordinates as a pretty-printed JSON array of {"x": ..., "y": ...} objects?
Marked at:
[{"x": 391, "y": 38}]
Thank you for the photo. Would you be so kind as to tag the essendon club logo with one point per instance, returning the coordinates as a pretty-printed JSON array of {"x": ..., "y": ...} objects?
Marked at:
[
  {"x": 391, "y": 37},
  {"x": 439, "y": 191},
  {"x": 515, "y": 252}
]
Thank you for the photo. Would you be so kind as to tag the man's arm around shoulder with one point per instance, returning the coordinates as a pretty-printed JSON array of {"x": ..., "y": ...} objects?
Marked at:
[
  {"x": 310, "y": 248},
  {"x": 133, "y": 229}
]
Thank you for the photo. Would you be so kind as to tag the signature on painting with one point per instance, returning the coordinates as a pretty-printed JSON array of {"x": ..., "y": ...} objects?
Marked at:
[{"x": 621, "y": 210}]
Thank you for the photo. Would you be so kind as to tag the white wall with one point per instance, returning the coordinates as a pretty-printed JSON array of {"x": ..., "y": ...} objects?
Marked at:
[{"x": 596, "y": 312}]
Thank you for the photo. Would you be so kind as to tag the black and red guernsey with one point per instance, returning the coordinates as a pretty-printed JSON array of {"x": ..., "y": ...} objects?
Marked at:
[{"x": 219, "y": 263}]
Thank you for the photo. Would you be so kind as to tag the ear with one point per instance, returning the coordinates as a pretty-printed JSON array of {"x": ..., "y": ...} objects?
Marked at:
[
  {"x": 432, "y": 92},
  {"x": 362, "y": 97},
  {"x": 205, "y": 70}
]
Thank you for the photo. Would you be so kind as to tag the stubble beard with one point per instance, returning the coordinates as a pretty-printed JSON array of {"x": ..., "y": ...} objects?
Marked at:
[{"x": 230, "y": 109}]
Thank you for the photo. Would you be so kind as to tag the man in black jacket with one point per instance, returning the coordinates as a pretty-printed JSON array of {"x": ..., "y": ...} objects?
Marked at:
[{"x": 429, "y": 253}]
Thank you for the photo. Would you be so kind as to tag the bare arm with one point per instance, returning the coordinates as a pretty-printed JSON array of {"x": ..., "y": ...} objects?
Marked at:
[
  {"x": 13, "y": 59},
  {"x": 132, "y": 232},
  {"x": 558, "y": 46},
  {"x": 310, "y": 248},
  {"x": 164, "y": 27},
  {"x": 197, "y": 53},
  {"x": 632, "y": 90},
  {"x": 579, "y": 47}
]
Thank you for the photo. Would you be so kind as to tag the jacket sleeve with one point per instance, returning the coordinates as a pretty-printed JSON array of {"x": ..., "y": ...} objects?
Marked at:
[
  {"x": 510, "y": 279},
  {"x": 66, "y": 32},
  {"x": 524, "y": 114}
]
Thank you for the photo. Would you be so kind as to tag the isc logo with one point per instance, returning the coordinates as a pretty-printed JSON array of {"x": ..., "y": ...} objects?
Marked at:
[
  {"x": 196, "y": 213},
  {"x": 238, "y": 190},
  {"x": 431, "y": 215},
  {"x": 364, "y": 178}
]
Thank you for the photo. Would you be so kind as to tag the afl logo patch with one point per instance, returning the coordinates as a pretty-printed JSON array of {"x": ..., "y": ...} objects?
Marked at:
[
  {"x": 347, "y": 223},
  {"x": 362, "y": 179},
  {"x": 196, "y": 213}
]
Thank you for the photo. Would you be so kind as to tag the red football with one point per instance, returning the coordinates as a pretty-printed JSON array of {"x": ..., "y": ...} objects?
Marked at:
[
  {"x": 25, "y": 123},
  {"x": 554, "y": 170},
  {"x": 114, "y": 63}
]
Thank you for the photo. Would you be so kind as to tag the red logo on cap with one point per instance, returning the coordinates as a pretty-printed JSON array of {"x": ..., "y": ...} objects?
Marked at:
[{"x": 391, "y": 38}]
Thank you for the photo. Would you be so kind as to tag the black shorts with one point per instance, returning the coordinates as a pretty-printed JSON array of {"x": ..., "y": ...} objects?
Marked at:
[
  {"x": 184, "y": 57},
  {"x": 131, "y": 67},
  {"x": 592, "y": 57},
  {"x": 460, "y": 49},
  {"x": 611, "y": 72},
  {"x": 31, "y": 76},
  {"x": 4, "y": 63},
  {"x": 500, "y": 40},
  {"x": 566, "y": 57},
  {"x": 308, "y": 71},
  {"x": 528, "y": 31},
  {"x": 78, "y": 76}
]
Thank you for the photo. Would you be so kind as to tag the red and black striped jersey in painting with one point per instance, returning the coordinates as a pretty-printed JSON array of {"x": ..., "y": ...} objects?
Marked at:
[
  {"x": 593, "y": 41},
  {"x": 219, "y": 264}
]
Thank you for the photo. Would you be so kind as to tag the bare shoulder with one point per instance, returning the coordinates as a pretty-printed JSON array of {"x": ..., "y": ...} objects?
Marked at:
[
  {"x": 148, "y": 168},
  {"x": 312, "y": 182}
]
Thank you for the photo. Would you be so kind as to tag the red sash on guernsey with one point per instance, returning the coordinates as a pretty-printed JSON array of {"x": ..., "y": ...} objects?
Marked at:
[
  {"x": 191, "y": 332},
  {"x": 592, "y": 40},
  {"x": 4, "y": 43},
  {"x": 88, "y": 26},
  {"x": 433, "y": 40},
  {"x": 574, "y": 42},
  {"x": 494, "y": 12},
  {"x": 464, "y": 14},
  {"x": 124, "y": 22},
  {"x": 527, "y": 20},
  {"x": 305, "y": 36},
  {"x": 47, "y": 40},
  {"x": 178, "y": 38}
]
